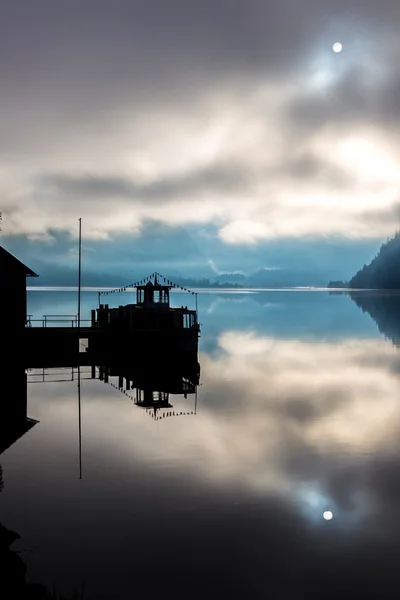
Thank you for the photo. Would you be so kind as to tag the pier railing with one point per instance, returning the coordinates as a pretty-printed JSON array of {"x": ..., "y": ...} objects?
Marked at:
[
  {"x": 57, "y": 375},
  {"x": 55, "y": 320}
]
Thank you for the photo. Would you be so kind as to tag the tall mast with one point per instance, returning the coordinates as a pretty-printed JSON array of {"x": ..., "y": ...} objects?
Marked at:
[
  {"x": 79, "y": 275},
  {"x": 79, "y": 368}
]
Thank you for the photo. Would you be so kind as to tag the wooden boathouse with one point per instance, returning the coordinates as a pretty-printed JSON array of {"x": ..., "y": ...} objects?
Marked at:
[
  {"x": 13, "y": 415},
  {"x": 13, "y": 275}
]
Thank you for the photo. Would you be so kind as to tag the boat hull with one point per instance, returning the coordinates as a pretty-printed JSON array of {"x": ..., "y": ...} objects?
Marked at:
[{"x": 152, "y": 342}]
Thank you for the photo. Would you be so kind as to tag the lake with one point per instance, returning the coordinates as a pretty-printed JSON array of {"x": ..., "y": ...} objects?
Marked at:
[{"x": 278, "y": 479}]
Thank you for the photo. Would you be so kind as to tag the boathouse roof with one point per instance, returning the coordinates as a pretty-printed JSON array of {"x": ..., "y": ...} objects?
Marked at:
[{"x": 7, "y": 260}]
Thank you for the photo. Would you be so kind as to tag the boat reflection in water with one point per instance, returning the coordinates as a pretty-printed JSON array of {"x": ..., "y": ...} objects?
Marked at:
[
  {"x": 148, "y": 380},
  {"x": 154, "y": 382}
]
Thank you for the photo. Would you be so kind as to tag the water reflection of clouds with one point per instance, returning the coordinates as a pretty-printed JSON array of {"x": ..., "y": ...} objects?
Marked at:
[
  {"x": 225, "y": 304},
  {"x": 313, "y": 418},
  {"x": 307, "y": 421},
  {"x": 285, "y": 430}
]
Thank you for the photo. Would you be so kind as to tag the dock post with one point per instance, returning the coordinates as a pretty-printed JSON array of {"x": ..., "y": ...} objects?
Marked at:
[{"x": 105, "y": 315}]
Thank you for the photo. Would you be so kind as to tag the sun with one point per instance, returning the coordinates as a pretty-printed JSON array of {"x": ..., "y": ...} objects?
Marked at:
[
  {"x": 328, "y": 516},
  {"x": 337, "y": 47}
]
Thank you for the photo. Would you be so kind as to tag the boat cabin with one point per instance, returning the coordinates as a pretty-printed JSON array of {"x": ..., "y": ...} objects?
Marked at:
[
  {"x": 152, "y": 312},
  {"x": 153, "y": 296}
]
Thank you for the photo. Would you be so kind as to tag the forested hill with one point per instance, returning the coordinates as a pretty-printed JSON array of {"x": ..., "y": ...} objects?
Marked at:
[{"x": 384, "y": 270}]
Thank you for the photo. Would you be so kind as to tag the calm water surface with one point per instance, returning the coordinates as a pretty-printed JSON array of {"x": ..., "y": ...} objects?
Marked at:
[{"x": 298, "y": 413}]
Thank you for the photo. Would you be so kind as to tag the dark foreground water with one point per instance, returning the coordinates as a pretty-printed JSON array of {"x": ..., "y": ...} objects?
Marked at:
[{"x": 297, "y": 415}]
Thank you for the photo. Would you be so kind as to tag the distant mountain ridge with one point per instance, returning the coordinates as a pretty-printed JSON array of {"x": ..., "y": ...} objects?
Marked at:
[
  {"x": 66, "y": 276},
  {"x": 189, "y": 252},
  {"x": 262, "y": 278}
]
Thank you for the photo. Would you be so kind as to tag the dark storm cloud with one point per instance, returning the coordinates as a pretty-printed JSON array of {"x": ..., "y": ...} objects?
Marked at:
[
  {"x": 354, "y": 100},
  {"x": 386, "y": 215},
  {"x": 234, "y": 178},
  {"x": 79, "y": 51},
  {"x": 145, "y": 37},
  {"x": 215, "y": 178},
  {"x": 313, "y": 168}
]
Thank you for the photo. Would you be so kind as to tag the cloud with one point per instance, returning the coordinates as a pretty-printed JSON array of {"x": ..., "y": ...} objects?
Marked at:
[
  {"x": 225, "y": 178},
  {"x": 354, "y": 101},
  {"x": 235, "y": 114},
  {"x": 386, "y": 216}
]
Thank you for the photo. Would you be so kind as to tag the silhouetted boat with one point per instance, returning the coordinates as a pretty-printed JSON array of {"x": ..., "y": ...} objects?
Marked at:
[{"x": 149, "y": 324}]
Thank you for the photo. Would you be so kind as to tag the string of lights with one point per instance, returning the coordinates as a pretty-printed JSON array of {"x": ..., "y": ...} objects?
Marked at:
[
  {"x": 144, "y": 281},
  {"x": 152, "y": 411}
]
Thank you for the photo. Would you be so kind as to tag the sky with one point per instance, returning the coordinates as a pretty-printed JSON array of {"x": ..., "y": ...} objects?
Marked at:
[{"x": 232, "y": 121}]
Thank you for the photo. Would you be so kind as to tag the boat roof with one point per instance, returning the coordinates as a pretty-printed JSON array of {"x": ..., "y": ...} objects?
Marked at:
[{"x": 150, "y": 284}]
